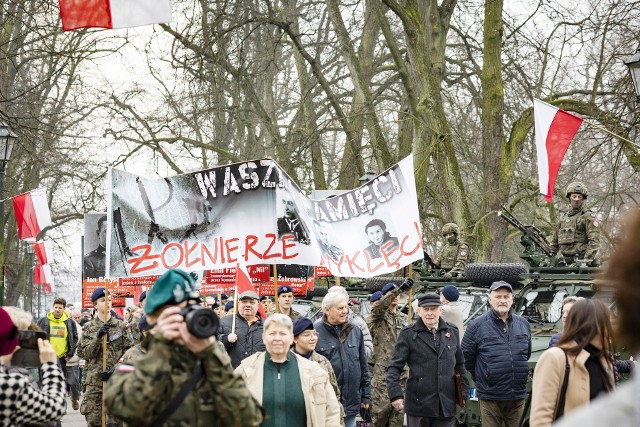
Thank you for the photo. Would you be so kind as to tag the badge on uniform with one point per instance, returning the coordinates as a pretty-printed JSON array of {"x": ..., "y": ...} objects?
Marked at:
[{"x": 123, "y": 367}]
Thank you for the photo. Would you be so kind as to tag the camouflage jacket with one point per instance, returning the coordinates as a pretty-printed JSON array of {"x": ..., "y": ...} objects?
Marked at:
[
  {"x": 133, "y": 354},
  {"x": 138, "y": 393},
  {"x": 577, "y": 235},
  {"x": 453, "y": 257},
  {"x": 90, "y": 347},
  {"x": 385, "y": 327}
]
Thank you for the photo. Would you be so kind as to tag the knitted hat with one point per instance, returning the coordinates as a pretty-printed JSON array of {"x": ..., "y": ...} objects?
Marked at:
[
  {"x": 8, "y": 334},
  {"x": 451, "y": 293}
]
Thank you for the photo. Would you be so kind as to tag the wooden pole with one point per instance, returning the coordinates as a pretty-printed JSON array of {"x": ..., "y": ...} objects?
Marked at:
[
  {"x": 337, "y": 281},
  {"x": 235, "y": 310},
  {"x": 622, "y": 138},
  {"x": 104, "y": 348},
  {"x": 410, "y": 313},
  {"x": 275, "y": 286}
]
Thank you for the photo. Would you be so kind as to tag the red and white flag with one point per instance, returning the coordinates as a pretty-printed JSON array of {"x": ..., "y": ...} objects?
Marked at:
[
  {"x": 44, "y": 252},
  {"x": 113, "y": 13},
  {"x": 32, "y": 213},
  {"x": 555, "y": 129},
  {"x": 243, "y": 284},
  {"x": 42, "y": 275}
]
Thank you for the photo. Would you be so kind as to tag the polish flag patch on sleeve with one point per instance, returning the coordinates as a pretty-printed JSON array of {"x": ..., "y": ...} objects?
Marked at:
[{"x": 123, "y": 367}]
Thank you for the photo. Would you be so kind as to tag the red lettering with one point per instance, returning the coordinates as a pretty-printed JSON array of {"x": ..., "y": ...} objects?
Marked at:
[
  {"x": 330, "y": 261},
  {"x": 231, "y": 249},
  {"x": 146, "y": 256},
  {"x": 164, "y": 255},
  {"x": 369, "y": 267},
  {"x": 212, "y": 259},
  {"x": 273, "y": 238},
  {"x": 250, "y": 242},
  {"x": 351, "y": 262},
  {"x": 188, "y": 251},
  {"x": 221, "y": 245},
  {"x": 418, "y": 246},
  {"x": 386, "y": 255},
  {"x": 286, "y": 246}
]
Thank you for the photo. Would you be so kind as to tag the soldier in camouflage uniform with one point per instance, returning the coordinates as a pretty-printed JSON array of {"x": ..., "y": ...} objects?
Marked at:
[
  {"x": 139, "y": 392},
  {"x": 385, "y": 323},
  {"x": 455, "y": 254},
  {"x": 577, "y": 232},
  {"x": 90, "y": 349},
  {"x": 138, "y": 350},
  {"x": 285, "y": 301}
]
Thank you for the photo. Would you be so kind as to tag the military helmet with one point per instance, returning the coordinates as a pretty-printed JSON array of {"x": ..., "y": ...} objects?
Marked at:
[
  {"x": 450, "y": 228},
  {"x": 577, "y": 187}
]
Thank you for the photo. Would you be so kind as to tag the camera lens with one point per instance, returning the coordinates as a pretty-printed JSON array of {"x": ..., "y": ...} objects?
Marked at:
[{"x": 201, "y": 322}]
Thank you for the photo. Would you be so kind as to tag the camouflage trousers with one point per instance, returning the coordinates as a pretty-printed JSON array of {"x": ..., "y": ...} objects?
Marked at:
[
  {"x": 91, "y": 406},
  {"x": 382, "y": 412}
]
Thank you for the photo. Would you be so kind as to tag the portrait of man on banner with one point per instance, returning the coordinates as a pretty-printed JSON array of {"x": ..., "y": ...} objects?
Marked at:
[
  {"x": 326, "y": 242},
  {"x": 290, "y": 222},
  {"x": 95, "y": 243}
]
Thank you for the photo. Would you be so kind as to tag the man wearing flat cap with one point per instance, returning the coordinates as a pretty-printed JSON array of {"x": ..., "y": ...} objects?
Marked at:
[
  {"x": 499, "y": 343},
  {"x": 90, "y": 348},
  {"x": 246, "y": 339},
  {"x": 177, "y": 362},
  {"x": 430, "y": 347},
  {"x": 285, "y": 301},
  {"x": 385, "y": 323}
]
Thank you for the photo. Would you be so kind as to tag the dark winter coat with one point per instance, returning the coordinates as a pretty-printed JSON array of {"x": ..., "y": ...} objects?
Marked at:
[
  {"x": 344, "y": 347},
  {"x": 249, "y": 338},
  {"x": 496, "y": 354},
  {"x": 432, "y": 361}
]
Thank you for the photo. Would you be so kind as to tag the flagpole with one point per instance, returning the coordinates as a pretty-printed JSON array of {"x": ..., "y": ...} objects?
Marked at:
[
  {"x": 235, "y": 306},
  {"x": 611, "y": 133},
  {"x": 275, "y": 285},
  {"x": 409, "y": 274},
  {"x": 104, "y": 348}
]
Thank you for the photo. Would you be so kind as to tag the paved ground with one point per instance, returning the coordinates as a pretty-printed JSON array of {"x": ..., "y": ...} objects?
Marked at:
[{"x": 73, "y": 418}]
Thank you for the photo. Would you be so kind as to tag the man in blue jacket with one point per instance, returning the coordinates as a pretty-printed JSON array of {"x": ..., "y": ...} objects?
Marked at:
[
  {"x": 496, "y": 348},
  {"x": 341, "y": 342}
]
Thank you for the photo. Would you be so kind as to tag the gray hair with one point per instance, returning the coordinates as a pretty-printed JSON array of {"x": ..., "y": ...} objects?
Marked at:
[
  {"x": 279, "y": 319},
  {"x": 334, "y": 298},
  {"x": 338, "y": 289}
]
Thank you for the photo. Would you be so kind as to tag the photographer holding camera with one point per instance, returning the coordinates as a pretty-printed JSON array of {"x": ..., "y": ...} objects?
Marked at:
[
  {"x": 185, "y": 377},
  {"x": 20, "y": 401}
]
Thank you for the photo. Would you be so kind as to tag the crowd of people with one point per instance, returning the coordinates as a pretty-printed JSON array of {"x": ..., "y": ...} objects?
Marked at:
[{"x": 287, "y": 370}]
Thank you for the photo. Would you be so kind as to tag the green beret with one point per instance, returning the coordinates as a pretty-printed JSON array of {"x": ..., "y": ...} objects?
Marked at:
[{"x": 171, "y": 288}]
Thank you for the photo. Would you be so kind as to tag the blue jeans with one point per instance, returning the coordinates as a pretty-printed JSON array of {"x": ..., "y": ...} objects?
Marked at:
[{"x": 350, "y": 421}]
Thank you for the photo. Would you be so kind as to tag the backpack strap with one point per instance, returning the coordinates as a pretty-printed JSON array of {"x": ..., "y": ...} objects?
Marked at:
[
  {"x": 198, "y": 374},
  {"x": 563, "y": 391}
]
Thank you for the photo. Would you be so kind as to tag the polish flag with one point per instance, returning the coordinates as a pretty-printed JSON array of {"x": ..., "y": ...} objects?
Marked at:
[
  {"x": 42, "y": 275},
  {"x": 44, "y": 252},
  {"x": 555, "y": 129},
  {"x": 32, "y": 213},
  {"x": 243, "y": 284},
  {"x": 113, "y": 13}
]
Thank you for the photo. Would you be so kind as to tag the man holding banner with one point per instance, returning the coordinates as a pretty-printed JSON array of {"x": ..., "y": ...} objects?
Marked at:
[{"x": 241, "y": 333}]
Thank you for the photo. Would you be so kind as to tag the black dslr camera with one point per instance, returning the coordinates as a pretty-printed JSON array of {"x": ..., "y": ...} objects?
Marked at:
[{"x": 201, "y": 322}]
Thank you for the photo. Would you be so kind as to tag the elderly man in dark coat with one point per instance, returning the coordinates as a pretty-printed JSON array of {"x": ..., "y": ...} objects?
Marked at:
[{"x": 431, "y": 349}]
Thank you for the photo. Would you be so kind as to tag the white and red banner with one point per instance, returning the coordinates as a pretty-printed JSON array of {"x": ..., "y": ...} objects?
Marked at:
[
  {"x": 42, "y": 276},
  {"x": 44, "y": 252},
  {"x": 113, "y": 13},
  {"x": 32, "y": 213},
  {"x": 555, "y": 129},
  {"x": 253, "y": 213}
]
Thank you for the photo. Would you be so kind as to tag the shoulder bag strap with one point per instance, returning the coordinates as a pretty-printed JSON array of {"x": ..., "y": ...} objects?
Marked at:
[
  {"x": 563, "y": 390},
  {"x": 198, "y": 374}
]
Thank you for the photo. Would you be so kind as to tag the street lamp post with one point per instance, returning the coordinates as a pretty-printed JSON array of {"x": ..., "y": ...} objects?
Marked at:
[
  {"x": 7, "y": 141},
  {"x": 633, "y": 63}
]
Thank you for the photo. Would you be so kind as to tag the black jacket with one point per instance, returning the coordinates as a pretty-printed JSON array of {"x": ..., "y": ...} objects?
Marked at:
[
  {"x": 497, "y": 354},
  {"x": 249, "y": 338},
  {"x": 432, "y": 361},
  {"x": 344, "y": 347},
  {"x": 72, "y": 333}
]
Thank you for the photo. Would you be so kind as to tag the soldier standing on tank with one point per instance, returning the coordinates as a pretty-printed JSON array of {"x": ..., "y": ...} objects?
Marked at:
[
  {"x": 90, "y": 349},
  {"x": 385, "y": 323},
  {"x": 455, "y": 254},
  {"x": 577, "y": 232}
]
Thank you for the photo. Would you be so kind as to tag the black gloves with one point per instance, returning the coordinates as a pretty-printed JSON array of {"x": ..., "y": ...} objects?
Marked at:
[
  {"x": 104, "y": 329},
  {"x": 406, "y": 285},
  {"x": 105, "y": 375}
]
